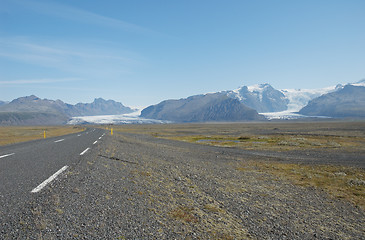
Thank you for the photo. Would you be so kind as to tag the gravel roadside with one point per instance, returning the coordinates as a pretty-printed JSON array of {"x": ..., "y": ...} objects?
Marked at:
[{"x": 139, "y": 187}]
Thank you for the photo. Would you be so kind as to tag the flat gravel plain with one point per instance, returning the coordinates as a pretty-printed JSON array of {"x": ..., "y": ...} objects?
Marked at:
[{"x": 134, "y": 186}]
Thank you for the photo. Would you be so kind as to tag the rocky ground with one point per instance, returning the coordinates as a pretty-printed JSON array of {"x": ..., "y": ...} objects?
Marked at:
[{"x": 134, "y": 186}]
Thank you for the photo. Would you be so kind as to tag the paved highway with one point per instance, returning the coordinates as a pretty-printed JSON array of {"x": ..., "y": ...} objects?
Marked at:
[{"x": 27, "y": 168}]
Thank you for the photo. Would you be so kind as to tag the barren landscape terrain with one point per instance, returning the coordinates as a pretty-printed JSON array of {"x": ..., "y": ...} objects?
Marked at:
[
  {"x": 16, "y": 134},
  {"x": 207, "y": 181}
]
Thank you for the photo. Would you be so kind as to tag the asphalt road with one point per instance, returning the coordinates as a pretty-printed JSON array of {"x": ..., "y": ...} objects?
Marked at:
[
  {"x": 131, "y": 186},
  {"x": 27, "y": 168}
]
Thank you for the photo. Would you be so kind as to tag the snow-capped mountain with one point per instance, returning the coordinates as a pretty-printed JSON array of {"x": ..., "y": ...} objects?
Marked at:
[
  {"x": 31, "y": 110},
  {"x": 284, "y": 103},
  {"x": 359, "y": 83},
  {"x": 265, "y": 99},
  {"x": 261, "y": 97},
  {"x": 299, "y": 98},
  {"x": 213, "y": 107},
  {"x": 346, "y": 102}
]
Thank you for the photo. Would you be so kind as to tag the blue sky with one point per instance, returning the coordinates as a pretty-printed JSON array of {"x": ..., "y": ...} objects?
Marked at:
[{"x": 142, "y": 52}]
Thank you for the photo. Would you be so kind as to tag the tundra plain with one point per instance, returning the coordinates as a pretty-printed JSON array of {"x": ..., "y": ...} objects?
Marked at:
[{"x": 285, "y": 180}]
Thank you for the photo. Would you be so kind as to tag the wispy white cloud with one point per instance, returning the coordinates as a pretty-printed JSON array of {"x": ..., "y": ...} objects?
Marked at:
[
  {"x": 71, "y": 13},
  {"x": 37, "y": 81},
  {"x": 72, "y": 58}
]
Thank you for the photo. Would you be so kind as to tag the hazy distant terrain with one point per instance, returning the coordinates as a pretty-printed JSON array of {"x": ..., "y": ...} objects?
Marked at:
[
  {"x": 202, "y": 108},
  {"x": 262, "y": 98},
  {"x": 243, "y": 104},
  {"x": 32, "y": 110},
  {"x": 347, "y": 102}
]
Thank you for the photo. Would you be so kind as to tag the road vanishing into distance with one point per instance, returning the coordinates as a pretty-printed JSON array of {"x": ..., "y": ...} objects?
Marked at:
[
  {"x": 26, "y": 168},
  {"x": 94, "y": 185}
]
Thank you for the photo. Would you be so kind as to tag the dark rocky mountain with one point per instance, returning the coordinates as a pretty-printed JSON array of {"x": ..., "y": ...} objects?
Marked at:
[
  {"x": 32, "y": 110},
  {"x": 201, "y": 108},
  {"x": 35, "y": 104},
  {"x": 346, "y": 102},
  {"x": 261, "y": 97},
  {"x": 101, "y": 107},
  {"x": 31, "y": 118}
]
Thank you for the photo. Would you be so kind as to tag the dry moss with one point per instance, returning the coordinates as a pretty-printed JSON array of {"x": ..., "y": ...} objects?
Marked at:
[
  {"x": 346, "y": 136},
  {"x": 340, "y": 182},
  {"x": 185, "y": 214}
]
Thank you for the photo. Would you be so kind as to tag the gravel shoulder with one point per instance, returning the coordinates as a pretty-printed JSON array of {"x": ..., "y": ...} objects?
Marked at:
[{"x": 134, "y": 186}]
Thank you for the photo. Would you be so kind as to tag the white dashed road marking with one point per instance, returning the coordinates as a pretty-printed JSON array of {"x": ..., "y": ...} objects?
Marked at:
[
  {"x": 95, "y": 142},
  {"x": 7, "y": 155},
  {"x": 84, "y": 151},
  {"x": 50, "y": 179},
  {"x": 59, "y": 140}
]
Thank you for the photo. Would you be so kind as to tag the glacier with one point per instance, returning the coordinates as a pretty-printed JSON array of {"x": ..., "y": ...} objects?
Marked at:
[{"x": 129, "y": 118}]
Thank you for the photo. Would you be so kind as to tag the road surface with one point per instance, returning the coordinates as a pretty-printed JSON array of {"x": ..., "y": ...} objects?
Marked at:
[
  {"x": 132, "y": 186},
  {"x": 26, "y": 168}
]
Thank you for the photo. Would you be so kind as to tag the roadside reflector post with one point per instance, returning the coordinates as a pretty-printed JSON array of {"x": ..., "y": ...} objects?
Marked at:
[
  {"x": 111, "y": 131},
  {"x": 44, "y": 134}
]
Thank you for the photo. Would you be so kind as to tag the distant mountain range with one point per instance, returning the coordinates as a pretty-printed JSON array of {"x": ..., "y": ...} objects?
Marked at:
[
  {"x": 242, "y": 104},
  {"x": 346, "y": 102},
  {"x": 247, "y": 101},
  {"x": 32, "y": 110},
  {"x": 262, "y": 98},
  {"x": 202, "y": 108}
]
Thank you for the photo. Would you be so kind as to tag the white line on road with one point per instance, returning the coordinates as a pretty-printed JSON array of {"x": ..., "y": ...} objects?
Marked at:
[
  {"x": 99, "y": 138},
  {"x": 59, "y": 140},
  {"x": 79, "y": 135},
  {"x": 84, "y": 151},
  {"x": 7, "y": 155},
  {"x": 95, "y": 142},
  {"x": 50, "y": 179}
]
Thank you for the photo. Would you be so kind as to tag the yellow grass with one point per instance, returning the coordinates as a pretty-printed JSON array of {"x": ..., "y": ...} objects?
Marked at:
[
  {"x": 344, "y": 136},
  {"x": 10, "y": 135},
  {"x": 338, "y": 181}
]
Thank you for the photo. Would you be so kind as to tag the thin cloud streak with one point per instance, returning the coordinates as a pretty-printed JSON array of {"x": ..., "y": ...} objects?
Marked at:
[
  {"x": 37, "y": 81},
  {"x": 73, "y": 59},
  {"x": 14, "y": 45},
  {"x": 71, "y": 13}
]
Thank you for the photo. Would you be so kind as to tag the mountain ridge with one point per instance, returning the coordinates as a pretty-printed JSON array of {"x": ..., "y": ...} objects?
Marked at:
[
  {"x": 35, "y": 111},
  {"x": 242, "y": 104},
  {"x": 201, "y": 108},
  {"x": 346, "y": 102},
  {"x": 261, "y": 97}
]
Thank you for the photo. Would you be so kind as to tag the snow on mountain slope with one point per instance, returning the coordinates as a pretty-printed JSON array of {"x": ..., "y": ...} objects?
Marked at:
[
  {"x": 131, "y": 118},
  {"x": 359, "y": 84},
  {"x": 280, "y": 104},
  {"x": 261, "y": 97},
  {"x": 299, "y": 98}
]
